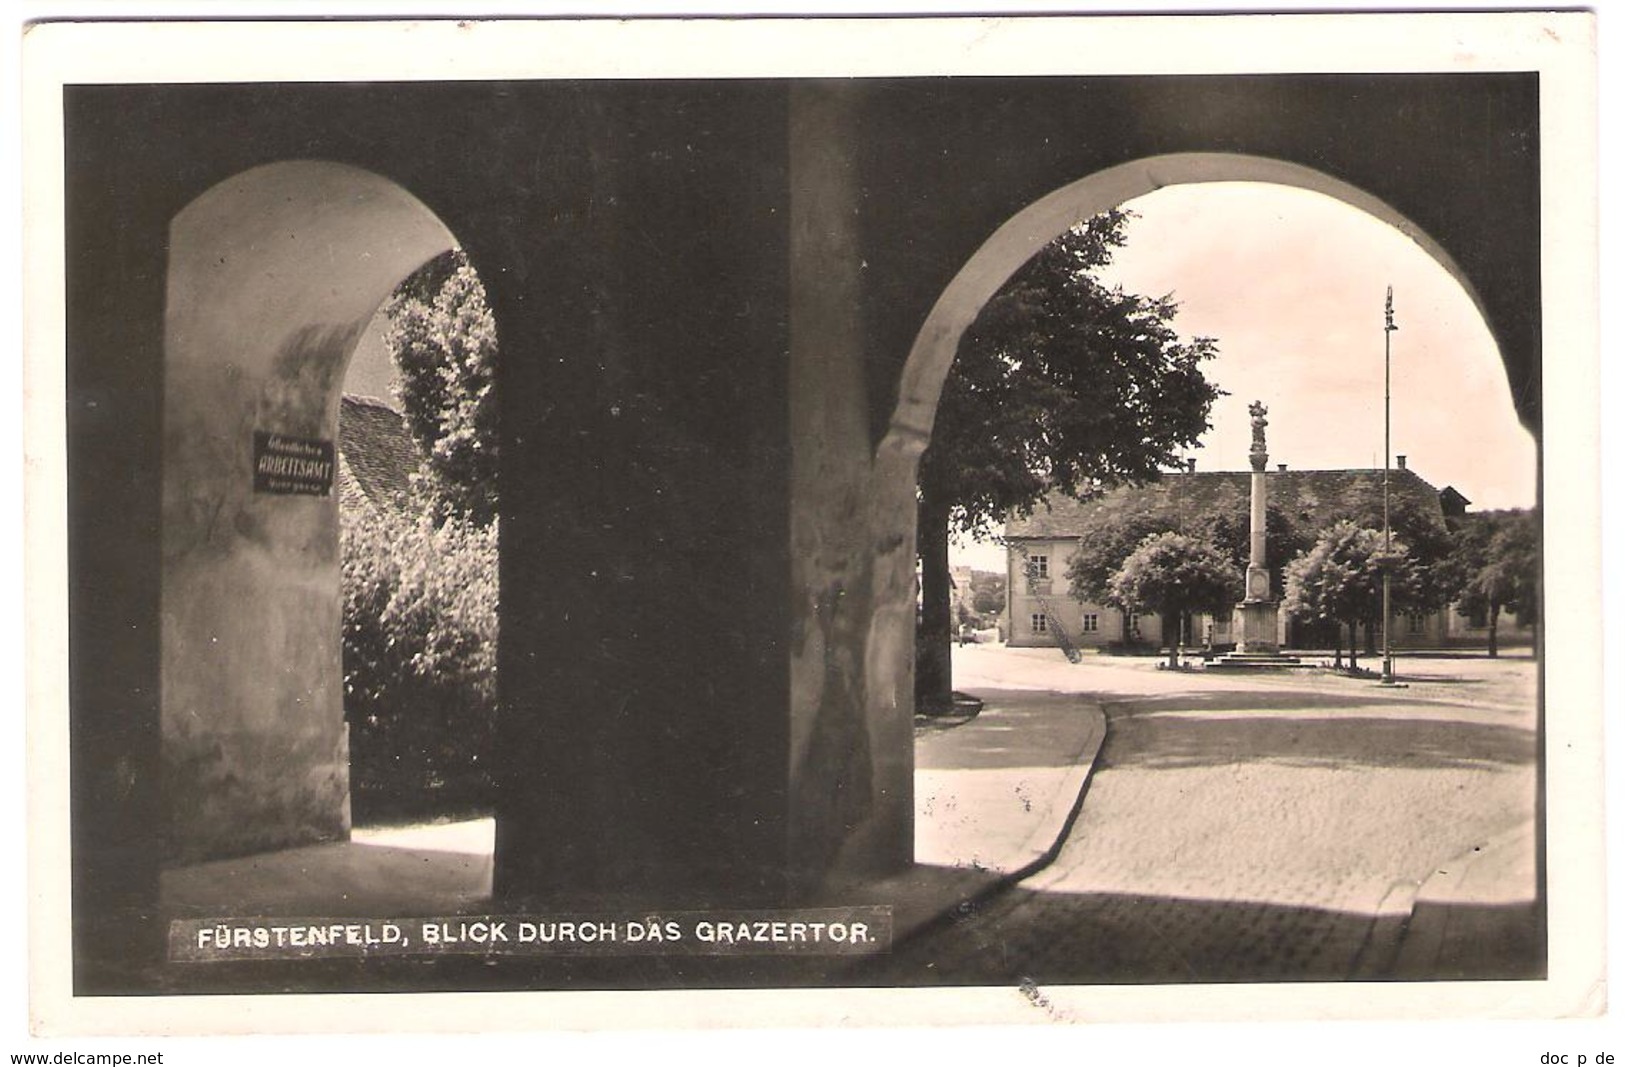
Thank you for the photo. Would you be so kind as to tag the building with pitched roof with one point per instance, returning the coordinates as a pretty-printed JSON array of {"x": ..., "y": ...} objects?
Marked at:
[
  {"x": 376, "y": 457},
  {"x": 1043, "y": 612}
]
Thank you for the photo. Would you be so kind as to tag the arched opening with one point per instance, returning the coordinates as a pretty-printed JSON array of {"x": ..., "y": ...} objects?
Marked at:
[
  {"x": 273, "y": 276},
  {"x": 1014, "y": 243},
  {"x": 419, "y": 543}
]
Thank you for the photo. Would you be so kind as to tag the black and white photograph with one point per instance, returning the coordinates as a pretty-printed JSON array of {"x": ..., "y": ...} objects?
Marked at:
[{"x": 945, "y": 521}]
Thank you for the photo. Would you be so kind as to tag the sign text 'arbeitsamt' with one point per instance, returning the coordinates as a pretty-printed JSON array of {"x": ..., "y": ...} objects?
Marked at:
[{"x": 298, "y": 465}]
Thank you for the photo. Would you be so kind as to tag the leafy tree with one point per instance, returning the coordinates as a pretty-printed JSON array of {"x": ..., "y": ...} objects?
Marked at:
[
  {"x": 1432, "y": 583},
  {"x": 443, "y": 339},
  {"x": 1230, "y": 531},
  {"x": 1497, "y": 559},
  {"x": 1172, "y": 574},
  {"x": 1106, "y": 539},
  {"x": 1105, "y": 542},
  {"x": 987, "y": 592},
  {"x": 1109, "y": 535},
  {"x": 1339, "y": 580},
  {"x": 1059, "y": 384},
  {"x": 420, "y": 630}
]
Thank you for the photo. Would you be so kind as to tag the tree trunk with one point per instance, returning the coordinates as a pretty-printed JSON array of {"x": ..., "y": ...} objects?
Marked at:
[
  {"x": 1495, "y": 615},
  {"x": 1371, "y": 636},
  {"x": 933, "y": 664},
  {"x": 1170, "y": 632},
  {"x": 1354, "y": 643},
  {"x": 1337, "y": 647}
]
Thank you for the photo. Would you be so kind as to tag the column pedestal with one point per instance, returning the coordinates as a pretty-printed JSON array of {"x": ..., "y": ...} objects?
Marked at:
[
  {"x": 1256, "y": 646},
  {"x": 1257, "y": 626}
]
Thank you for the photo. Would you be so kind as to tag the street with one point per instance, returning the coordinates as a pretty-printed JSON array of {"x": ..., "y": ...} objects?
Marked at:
[{"x": 1269, "y": 827}]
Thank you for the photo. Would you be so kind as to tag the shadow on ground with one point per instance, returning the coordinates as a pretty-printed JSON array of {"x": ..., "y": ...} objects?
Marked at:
[
  {"x": 1119, "y": 939},
  {"x": 1274, "y": 698},
  {"x": 1141, "y": 738},
  {"x": 1016, "y": 728}
]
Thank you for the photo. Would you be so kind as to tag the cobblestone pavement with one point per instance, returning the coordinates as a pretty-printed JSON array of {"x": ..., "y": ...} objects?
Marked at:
[{"x": 1270, "y": 828}]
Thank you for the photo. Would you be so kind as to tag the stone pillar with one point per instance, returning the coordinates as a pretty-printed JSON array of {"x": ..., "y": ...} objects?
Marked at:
[
  {"x": 706, "y": 571},
  {"x": 1258, "y": 612},
  {"x": 851, "y": 531},
  {"x": 643, "y": 731}
]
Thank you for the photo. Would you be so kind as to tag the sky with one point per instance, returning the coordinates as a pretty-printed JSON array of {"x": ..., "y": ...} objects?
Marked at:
[
  {"x": 1291, "y": 283},
  {"x": 372, "y": 368}
]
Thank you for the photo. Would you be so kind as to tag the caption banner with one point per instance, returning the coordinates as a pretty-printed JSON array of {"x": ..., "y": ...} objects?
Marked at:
[{"x": 803, "y": 931}]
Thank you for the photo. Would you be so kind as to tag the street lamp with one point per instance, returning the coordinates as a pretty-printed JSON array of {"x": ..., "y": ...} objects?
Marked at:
[{"x": 1387, "y": 534}]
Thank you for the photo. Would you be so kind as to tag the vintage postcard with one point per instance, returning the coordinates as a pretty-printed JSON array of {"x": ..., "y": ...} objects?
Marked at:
[{"x": 811, "y": 522}]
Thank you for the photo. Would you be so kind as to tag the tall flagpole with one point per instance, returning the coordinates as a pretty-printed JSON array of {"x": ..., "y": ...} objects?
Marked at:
[{"x": 1387, "y": 534}]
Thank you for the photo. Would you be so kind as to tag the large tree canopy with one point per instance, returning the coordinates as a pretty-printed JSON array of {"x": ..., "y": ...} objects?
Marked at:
[
  {"x": 420, "y": 583},
  {"x": 1340, "y": 580},
  {"x": 1230, "y": 531},
  {"x": 443, "y": 338},
  {"x": 1105, "y": 540},
  {"x": 1063, "y": 383},
  {"x": 1172, "y": 574},
  {"x": 1060, "y": 383}
]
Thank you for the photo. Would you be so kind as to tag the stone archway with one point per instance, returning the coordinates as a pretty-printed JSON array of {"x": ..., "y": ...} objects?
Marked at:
[
  {"x": 273, "y": 275},
  {"x": 1012, "y": 244}
]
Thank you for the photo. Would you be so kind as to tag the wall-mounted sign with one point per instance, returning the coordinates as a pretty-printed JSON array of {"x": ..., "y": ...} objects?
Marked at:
[{"x": 284, "y": 464}]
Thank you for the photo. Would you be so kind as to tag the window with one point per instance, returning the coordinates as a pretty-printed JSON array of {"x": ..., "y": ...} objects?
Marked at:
[
  {"x": 1418, "y": 622},
  {"x": 1040, "y": 567},
  {"x": 1091, "y": 623},
  {"x": 1040, "y": 623},
  {"x": 1134, "y": 626}
]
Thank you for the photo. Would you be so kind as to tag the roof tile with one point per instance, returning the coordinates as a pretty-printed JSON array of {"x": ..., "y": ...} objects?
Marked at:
[
  {"x": 376, "y": 452},
  {"x": 1310, "y": 495}
]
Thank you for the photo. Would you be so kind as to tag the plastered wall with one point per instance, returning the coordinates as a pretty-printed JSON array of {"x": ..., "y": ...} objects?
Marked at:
[{"x": 272, "y": 276}]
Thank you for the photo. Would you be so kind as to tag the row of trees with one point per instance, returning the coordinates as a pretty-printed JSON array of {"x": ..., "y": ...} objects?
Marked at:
[{"x": 1486, "y": 564}]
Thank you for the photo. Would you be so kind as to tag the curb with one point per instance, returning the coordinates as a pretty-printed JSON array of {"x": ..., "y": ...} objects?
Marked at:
[
  {"x": 1046, "y": 843},
  {"x": 1442, "y": 916}
]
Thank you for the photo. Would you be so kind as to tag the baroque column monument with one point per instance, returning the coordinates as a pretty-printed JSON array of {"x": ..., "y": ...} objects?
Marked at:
[{"x": 1258, "y": 614}]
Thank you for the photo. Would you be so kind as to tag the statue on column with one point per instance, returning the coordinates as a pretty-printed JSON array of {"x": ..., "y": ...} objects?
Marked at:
[
  {"x": 1257, "y": 617},
  {"x": 1258, "y": 631},
  {"x": 1258, "y": 454}
]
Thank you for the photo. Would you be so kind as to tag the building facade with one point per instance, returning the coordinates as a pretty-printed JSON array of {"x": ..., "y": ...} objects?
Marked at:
[{"x": 1040, "y": 546}]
